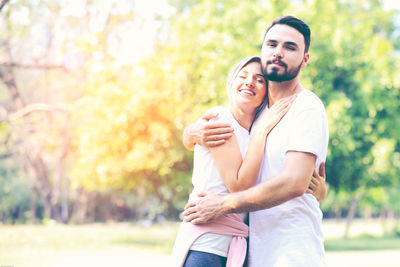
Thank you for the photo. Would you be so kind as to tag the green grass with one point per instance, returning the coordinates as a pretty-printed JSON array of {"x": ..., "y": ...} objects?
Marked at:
[
  {"x": 124, "y": 244},
  {"x": 363, "y": 243},
  {"x": 364, "y": 235},
  {"x": 72, "y": 245},
  {"x": 158, "y": 237}
]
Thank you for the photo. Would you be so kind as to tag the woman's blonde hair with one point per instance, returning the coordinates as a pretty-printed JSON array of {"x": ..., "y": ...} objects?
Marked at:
[{"x": 235, "y": 71}]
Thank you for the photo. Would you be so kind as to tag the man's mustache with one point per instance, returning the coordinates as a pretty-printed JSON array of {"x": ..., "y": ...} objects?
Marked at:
[{"x": 277, "y": 61}]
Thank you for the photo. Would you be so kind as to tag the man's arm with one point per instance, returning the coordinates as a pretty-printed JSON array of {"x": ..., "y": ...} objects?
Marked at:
[
  {"x": 292, "y": 182},
  {"x": 206, "y": 133}
]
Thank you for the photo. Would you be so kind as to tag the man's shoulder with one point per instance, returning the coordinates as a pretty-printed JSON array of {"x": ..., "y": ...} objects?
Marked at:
[{"x": 309, "y": 100}]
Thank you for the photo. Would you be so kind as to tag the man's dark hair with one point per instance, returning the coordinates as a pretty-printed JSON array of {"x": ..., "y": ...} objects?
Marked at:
[{"x": 296, "y": 23}]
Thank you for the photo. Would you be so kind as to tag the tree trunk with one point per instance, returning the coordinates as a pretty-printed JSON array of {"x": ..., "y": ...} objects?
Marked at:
[
  {"x": 338, "y": 214},
  {"x": 32, "y": 151},
  {"x": 32, "y": 207},
  {"x": 43, "y": 183},
  {"x": 62, "y": 180},
  {"x": 80, "y": 207},
  {"x": 64, "y": 205},
  {"x": 352, "y": 213},
  {"x": 383, "y": 218}
]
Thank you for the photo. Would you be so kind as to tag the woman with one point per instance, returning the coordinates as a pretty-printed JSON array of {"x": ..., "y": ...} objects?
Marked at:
[{"x": 222, "y": 170}]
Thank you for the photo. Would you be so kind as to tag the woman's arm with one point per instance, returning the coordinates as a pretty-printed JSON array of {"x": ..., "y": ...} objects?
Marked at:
[
  {"x": 241, "y": 174},
  {"x": 317, "y": 185}
]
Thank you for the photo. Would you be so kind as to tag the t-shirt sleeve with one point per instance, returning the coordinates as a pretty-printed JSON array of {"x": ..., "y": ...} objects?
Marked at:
[
  {"x": 307, "y": 134},
  {"x": 223, "y": 115}
]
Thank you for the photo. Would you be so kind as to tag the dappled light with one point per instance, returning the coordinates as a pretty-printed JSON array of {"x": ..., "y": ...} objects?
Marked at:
[{"x": 95, "y": 95}]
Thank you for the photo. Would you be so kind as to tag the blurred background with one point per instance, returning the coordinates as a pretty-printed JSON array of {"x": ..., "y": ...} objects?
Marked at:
[{"x": 94, "y": 97}]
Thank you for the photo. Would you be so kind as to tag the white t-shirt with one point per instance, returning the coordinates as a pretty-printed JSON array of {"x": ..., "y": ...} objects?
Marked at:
[
  {"x": 290, "y": 234},
  {"x": 207, "y": 178}
]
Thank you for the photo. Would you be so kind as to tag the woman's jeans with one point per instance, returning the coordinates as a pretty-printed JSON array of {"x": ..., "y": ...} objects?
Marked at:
[{"x": 203, "y": 259}]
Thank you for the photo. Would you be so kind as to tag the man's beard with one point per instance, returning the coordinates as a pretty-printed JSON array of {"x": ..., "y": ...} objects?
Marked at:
[{"x": 287, "y": 75}]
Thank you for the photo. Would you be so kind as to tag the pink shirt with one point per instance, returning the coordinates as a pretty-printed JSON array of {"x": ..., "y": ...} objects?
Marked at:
[{"x": 230, "y": 224}]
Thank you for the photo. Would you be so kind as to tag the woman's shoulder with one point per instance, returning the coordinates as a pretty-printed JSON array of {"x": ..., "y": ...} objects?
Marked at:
[
  {"x": 224, "y": 113},
  {"x": 218, "y": 109}
]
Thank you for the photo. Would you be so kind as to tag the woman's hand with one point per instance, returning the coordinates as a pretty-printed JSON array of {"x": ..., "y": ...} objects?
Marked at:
[
  {"x": 317, "y": 185},
  {"x": 274, "y": 114}
]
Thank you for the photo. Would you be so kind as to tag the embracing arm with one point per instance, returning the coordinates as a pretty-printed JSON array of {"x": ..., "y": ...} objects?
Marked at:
[
  {"x": 241, "y": 174},
  {"x": 292, "y": 182},
  {"x": 317, "y": 186},
  {"x": 206, "y": 133}
]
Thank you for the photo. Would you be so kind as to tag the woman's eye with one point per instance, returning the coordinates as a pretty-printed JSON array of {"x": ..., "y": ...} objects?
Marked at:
[{"x": 260, "y": 80}]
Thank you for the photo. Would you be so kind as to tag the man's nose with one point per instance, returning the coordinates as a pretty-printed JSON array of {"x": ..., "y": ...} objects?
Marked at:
[{"x": 277, "y": 52}]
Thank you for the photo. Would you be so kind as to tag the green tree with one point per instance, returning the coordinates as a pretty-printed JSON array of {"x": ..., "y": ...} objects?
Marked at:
[
  {"x": 353, "y": 68},
  {"x": 121, "y": 140}
]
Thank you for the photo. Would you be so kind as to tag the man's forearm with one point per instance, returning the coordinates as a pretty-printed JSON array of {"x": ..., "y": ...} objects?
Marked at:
[
  {"x": 211, "y": 206},
  {"x": 267, "y": 194},
  {"x": 292, "y": 182}
]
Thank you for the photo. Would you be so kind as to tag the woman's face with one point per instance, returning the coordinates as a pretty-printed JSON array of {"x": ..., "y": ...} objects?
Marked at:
[{"x": 249, "y": 86}]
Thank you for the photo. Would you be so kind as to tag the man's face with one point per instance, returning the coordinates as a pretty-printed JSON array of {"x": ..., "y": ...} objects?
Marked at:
[{"x": 282, "y": 53}]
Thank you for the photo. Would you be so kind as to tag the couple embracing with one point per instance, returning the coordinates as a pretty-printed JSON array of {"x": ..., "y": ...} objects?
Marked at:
[{"x": 259, "y": 158}]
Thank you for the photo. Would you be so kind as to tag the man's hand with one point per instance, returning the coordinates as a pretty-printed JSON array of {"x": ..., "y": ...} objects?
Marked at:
[
  {"x": 205, "y": 209},
  {"x": 206, "y": 133},
  {"x": 317, "y": 185}
]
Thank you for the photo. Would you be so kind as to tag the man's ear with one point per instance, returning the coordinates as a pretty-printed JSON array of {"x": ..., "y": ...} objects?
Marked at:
[{"x": 305, "y": 59}]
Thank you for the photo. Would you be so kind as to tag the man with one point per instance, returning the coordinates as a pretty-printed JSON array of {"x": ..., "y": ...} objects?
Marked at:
[{"x": 285, "y": 223}]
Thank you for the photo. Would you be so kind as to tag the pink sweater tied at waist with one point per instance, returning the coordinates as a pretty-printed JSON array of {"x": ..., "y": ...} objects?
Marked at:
[{"x": 230, "y": 224}]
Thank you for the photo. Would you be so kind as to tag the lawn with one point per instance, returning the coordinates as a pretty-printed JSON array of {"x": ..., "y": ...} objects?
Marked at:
[
  {"x": 125, "y": 244},
  {"x": 85, "y": 245}
]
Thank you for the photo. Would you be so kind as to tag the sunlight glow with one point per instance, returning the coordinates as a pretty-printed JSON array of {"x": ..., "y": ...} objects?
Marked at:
[{"x": 140, "y": 35}]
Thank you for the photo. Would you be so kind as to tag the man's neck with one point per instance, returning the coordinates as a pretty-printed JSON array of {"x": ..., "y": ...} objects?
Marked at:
[{"x": 279, "y": 90}]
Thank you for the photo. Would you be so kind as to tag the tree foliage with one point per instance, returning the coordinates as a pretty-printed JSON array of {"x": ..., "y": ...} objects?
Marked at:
[{"x": 118, "y": 138}]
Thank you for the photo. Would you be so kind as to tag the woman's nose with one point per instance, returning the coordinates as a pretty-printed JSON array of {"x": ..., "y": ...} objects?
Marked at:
[{"x": 249, "y": 80}]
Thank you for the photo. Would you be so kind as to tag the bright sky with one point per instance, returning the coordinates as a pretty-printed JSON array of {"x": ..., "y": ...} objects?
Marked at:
[
  {"x": 143, "y": 31},
  {"x": 147, "y": 9},
  {"x": 132, "y": 40},
  {"x": 391, "y": 4},
  {"x": 138, "y": 35}
]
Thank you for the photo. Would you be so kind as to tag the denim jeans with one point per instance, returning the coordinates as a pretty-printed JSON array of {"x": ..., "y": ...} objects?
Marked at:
[{"x": 203, "y": 259}]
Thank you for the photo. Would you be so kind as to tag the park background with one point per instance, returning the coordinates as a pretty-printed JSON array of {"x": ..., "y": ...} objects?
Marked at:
[{"x": 94, "y": 96}]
